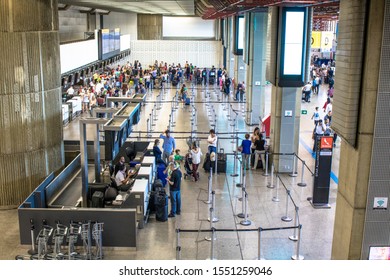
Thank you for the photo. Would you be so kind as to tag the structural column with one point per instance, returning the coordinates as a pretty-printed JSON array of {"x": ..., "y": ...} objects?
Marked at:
[
  {"x": 361, "y": 118},
  {"x": 30, "y": 108},
  {"x": 255, "y": 75},
  {"x": 287, "y": 78}
]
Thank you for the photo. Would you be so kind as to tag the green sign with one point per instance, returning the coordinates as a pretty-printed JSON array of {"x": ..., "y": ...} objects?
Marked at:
[{"x": 304, "y": 112}]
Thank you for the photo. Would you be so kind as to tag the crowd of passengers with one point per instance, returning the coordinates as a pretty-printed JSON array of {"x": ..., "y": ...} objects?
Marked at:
[{"x": 129, "y": 79}]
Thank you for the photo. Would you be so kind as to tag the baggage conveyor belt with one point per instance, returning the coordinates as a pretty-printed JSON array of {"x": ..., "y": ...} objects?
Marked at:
[{"x": 70, "y": 195}]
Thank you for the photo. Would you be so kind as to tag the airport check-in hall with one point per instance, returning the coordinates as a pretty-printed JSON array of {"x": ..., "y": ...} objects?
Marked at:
[{"x": 194, "y": 130}]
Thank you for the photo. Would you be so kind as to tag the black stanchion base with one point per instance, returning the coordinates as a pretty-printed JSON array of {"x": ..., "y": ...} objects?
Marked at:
[
  {"x": 234, "y": 175},
  {"x": 241, "y": 215},
  {"x": 239, "y": 185},
  {"x": 302, "y": 184},
  {"x": 318, "y": 205}
]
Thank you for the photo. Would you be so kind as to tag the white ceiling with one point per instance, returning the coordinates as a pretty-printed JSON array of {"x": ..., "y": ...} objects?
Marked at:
[{"x": 165, "y": 7}]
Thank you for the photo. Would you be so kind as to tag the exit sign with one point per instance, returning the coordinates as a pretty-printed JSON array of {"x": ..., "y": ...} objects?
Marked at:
[{"x": 304, "y": 112}]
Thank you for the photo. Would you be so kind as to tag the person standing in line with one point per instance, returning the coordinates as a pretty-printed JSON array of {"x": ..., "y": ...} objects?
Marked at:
[
  {"x": 260, "y": 150},
  {"x": 246, "y": 151},
  {"x": 212, "y": 142},
  {"x": 157, "y": 152},
  {"x": 196, "y": 154},
  {"x": 254, "y": 137},
  {"x": 174, "y": 182},
  {"x": 169, "y": 145}
]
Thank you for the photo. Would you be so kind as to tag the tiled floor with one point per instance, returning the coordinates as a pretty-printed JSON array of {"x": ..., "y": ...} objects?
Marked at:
[{"x": 158, "y": 239}]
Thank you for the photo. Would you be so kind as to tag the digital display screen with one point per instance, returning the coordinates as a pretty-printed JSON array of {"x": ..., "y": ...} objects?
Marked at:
[
  {"x": 292, "y": 46},
  {"x": 379, "y": 253},
  {"x": 241, "y": 33},
  {"x": 105, "y": 41},
  {"x": 109, "y": 43},
  {"x": 238, "y": 35},
  {"x": 293, "y": 41}
]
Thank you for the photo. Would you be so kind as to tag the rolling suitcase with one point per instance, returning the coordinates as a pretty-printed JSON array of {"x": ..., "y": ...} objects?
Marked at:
[
  {"x": 98, "y": 199},
  {"x": 221, "y": 164},
  {"x": 187, "y": 101},
  {"x": 161, "y": 203},
  {"x": 207, "y": 163}
]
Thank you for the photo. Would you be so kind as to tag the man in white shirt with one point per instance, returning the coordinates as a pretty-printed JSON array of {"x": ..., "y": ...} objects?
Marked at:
[
  {"x": 212, "y": 141},
  {"x": 70, "y": 92}
]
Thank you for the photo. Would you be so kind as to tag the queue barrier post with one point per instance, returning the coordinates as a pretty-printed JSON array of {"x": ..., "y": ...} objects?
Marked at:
[
  {"x": 302, "y": 183},
  {"x": 294, "y": 237},
  {"x": 286, "y": 218},
  {"x": 276, "y": 197},
  {"x": 297, "y": 256}
]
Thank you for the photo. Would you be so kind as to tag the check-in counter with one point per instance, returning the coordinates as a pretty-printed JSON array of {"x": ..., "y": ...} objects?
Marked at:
[
  {"x": 129, "y": 112},
  {"x": 149, "y": 161},
  {"x": 146, "y": 172},
  {"x": 138, "y": 198},
  {"x": 115, "y": 136},
  {"x": 149, "y": 149},
  {"x": 65, "y": 114}
]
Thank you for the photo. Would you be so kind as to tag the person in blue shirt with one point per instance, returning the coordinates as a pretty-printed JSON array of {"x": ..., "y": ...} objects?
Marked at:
[
  {"x": 168, "y": 146},
  {"x": 246, "y": 151}
]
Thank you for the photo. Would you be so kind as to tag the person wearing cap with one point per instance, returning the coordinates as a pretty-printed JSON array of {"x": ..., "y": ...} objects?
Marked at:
[
  {"x": 169, "y": 145},
  {"x": 319, "y": 131},
  {"x": 174, "y": 182}
]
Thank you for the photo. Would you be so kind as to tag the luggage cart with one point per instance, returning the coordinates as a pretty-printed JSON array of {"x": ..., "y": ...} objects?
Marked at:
[
  {"x": 42, "y": 242},
  {"x": 97, "y": 231},
  {"x": 59, "y": 235},
  {"x": 73, "y": 234}
]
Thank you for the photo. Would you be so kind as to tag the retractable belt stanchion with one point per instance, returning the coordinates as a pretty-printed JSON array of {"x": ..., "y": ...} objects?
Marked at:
[
  {"x": 266, "y": 164},
  {"x": 245, "y": 222},
  {"x": 148, "y": 129},
  {"x": 297, "y": 256},
  {"x": 259, "y": 244},
  {"x": 178, "y": 248},
  {"x": 276, "y": 197},
  {"x": 243, "y": 191},
  {"x": 234, "y": 174},
  {"x": 213, "y": 218},
  {"x": 212, "y": 238},
  {"x": 302, "y": 183},
  {"x": 294, "y": 237},
  {"x": 293, "y": 171},
  {"x": 33, "y": 249},
  {"x": 239, "y": 185},
  {"x": 210, "y": 187},
  {"x": 286, "y": 218},
  {"x": 271, "y": 185}
]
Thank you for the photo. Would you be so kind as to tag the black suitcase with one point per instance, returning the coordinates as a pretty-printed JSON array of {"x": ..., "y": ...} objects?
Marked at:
[
  {"x": 207, "y": 163},
  {"x": 161, "y": 204},
  {"x": 221, "y": 164},
  {"x": 98, "y": 199}
]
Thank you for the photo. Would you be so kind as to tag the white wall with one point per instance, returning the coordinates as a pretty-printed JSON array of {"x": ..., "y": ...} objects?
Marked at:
[
  {"x": 188, "y": 27},
  {"x": 199, "y": 53},
  {"x": 74, "y": 55},
  {"x": 127, "y": 22}
]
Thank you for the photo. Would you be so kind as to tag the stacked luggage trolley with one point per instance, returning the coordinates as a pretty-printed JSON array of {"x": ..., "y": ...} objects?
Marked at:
[{"x": 61, "y": 242}]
